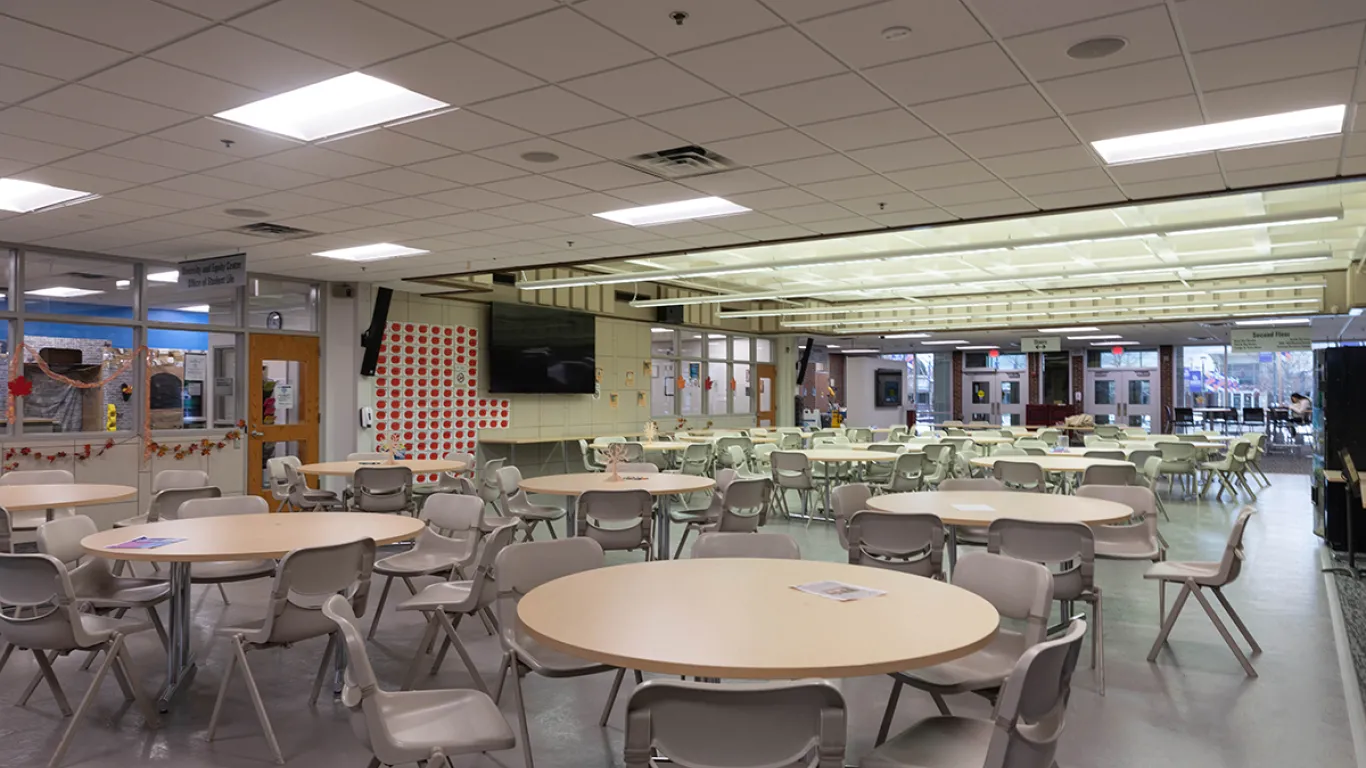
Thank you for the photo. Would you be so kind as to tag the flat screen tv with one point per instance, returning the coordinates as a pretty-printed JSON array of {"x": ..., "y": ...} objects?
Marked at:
[{"x": 540, "y": 350}]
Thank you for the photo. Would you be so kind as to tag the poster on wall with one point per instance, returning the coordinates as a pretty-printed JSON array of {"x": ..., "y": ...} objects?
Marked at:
[
  {"x": 196, "y": 367},
  {"x": 284, "y": 395}
]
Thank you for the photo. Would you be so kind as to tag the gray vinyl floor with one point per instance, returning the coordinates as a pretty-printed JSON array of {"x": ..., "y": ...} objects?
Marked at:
[{"x": 1194, "y": 707}]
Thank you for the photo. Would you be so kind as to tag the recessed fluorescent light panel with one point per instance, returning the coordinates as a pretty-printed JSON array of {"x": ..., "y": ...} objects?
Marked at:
[
  {"x": 196, "y": 308},
  {"x": 29, "y": 196},
  {"x": 1271, "y": 321},
  {"x": 62, "y": 292},
  {"x": 682, "y": 210},
  {"x": 1233, "y": 134},
  {"x": 860, "y": 351},
  {"x": 373, "y": 252},
  {"x": 1114, "y": 343},
  {"x": 1095, "y": 337},
  {"x": 943, "y": 342},
  {"x": 980, "y": 346},
  {"x": 908, "y": 336},
  {"x": 161, "y": 277},
  {"x": 333, "y": 107},
  {"x": 1073, "y": 329}
]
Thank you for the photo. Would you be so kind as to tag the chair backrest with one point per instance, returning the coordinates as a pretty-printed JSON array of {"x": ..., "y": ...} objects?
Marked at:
[
  {"x": 61, "y": 538},
  {"x": 1018, "y": 589},
  {"x": 1107, "y": 431},
  {"x": 897, "y": 434},
  {"x": 382, "y": 489},
  {"x": 1231, "y": 563},
  {"x": 1012, "y": 450},
  {"x": 939, "y": 453},
  {"x": 167, "y": 479},
  {"x": 776, "y": 546},
  {"x": 276, "y": 470},
  {"x": 743, "y": 504},
  {"x": 223, "y": 505},
  {"x": 1180, "y": 451},
  {"x": 907, "y": 543},
  {"x": 520, "y": 568},
  {"x": 1104, "y": 453},
  {"x": 885, "y": 447},
  {"x": 1109, "y": 474},
  {"x": 618, "y": 506},
  {"x": 736, "y": 725},
  {"x": 1049, "y": 436},
  {"x": 1020, "y": 475},
  {"x": 907, "y": 472},
  {"x": 509, "y": 481},
  {"x": 6, "y": 532},
  {"x": 38, "y": 607},
  {"x": 860, "y": 435},
  {"x": 1031, "y": 709},
  {"x": 165, "y": 504},
  {"x": 453, "y": 513},
  {"x": 367, "y": 456},
  {"x": 789, "y": 464},
  {"x": 490, "y": 488},
  {"x": 732, "y": 456},
  {"x": 973, "y": 484},
  {"x": 633, "y": 451},
  {"x": 1072, "y": 546},
  {"x": 696, "y": 457},
  {"x": 37, "y": 477},
  {"x": 789, "y": 441},
  {"x": 1137, "y": 497},
  {"x": 637, "y": 468},
  {"x": 306, "y": 578},
  {"x": 1139, "y": 457},
  {"x": 845, "y": 501},
  {"x": 1031, "y": 442}
]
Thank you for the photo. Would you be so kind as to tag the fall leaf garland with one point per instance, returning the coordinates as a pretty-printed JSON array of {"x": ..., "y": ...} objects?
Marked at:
[{"x": 178, "y": 451}]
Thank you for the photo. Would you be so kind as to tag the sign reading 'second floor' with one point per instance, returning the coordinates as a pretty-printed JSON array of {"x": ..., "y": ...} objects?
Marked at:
[
  {"x": 218, "y": 272},
  {"x": 1270, "y": 340}
]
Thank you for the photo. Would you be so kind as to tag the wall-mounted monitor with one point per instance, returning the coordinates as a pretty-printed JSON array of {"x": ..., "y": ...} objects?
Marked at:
[{"x": 540, "y": 350}]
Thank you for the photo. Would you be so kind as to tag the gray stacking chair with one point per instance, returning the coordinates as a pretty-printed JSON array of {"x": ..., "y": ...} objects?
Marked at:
[
  {"x": 776, "y": 546},
  {"x": 519, "y": 569},
  {"x": 227, "y": 571},
  {"x": 1230, "y": 471},
  {"x": 743, "y": 506},
  {"x": 1194, "y": 577},
  {"x": 590, "y": 457},
  {"x": 845, "y": 502},
  {"x": 23, "y": 522},
  {"x": 1105, "y": 453},
  {"x": 696, "y": 460},
  {"x": 306, "y": 578},
  {"x": 449, "y": 543},
  {"x": 301, "y": 497},
  {"x": 1020, "y": 591},
  {"x": 618, "y": 520},
  {"x": 1176, "y": 460},
  {"x": 165, "y": 505},
  {"x": 279, "y": 482},
  {"x": 1021, "y": 475},
  {"x": 906, "y": 543},
  {"x": 39, "y": 613},
  {"x": 386, "y": 489},
  {"x": 696, "y": 518},
  {"x": 1072, "y": 548},
  {"x": 792, "y": 472},
  {"x": 422, "y": 727},
  {"x": 1132, "y": 541},
  {"x": 736, "y": 725},
  {"x": 1109, "y": 474},
  {"x": 879, "y": 473},
  {"x": 1254, "y": 457},
  {"x": 908, "y": 473},
  {"x": 941, "y": 459},
  {"x": 516, "y": 504},
  {"x": 1024, "y": 729},
  {"x": 859, "y": 435}
]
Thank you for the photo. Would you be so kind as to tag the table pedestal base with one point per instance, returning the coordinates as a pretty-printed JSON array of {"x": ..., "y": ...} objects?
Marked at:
[{"x": 180, "y": 667}]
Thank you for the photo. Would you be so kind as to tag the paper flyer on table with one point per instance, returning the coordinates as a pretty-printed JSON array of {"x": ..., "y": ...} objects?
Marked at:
[
  {"x": 145, "y": 542},
  {"x": 974, "y": 507},
  {"x": 837, "y": 590}
]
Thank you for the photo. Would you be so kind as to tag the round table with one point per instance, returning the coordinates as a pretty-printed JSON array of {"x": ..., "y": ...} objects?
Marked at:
[
  {"x": 1053, "y": 462},
  {"x": 657, "y": 483},
  {"x": 706, "y": 439},
  {"x": 661, "y": 445},
  {"x": 49, "y": 498},
  {"x": 1204, "y": 445},
  {"x": 840, "y": 455},
  {"x": 418, "y": 466},
  {"x": 236, "y": 538},
  {"x": 742, "y": 619}
]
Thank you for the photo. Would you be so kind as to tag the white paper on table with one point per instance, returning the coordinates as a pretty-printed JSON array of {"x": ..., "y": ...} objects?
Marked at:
[
  {"x": 974, "y": 507},
  {"x": 838, "y": 590}
]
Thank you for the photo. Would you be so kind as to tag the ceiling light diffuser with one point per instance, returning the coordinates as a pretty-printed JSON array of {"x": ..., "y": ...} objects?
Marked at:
[
  {"x": 62, "y": 292},
  {"x": 1276, "y": 321},
  {"x": 945, "y": 341},
  {"x": 1073, "y": 329},
  {"x": 860, "y": 351},
  {"x": 1095, "y": 337},
  {"x": 372, "y": 252},
  {"x": 162, "y": 277},
  {"x": 682, "y": 210},
  {"x": 1232, "y": 134},
  {"x": 29, "y": 196},
  {"x": 980, "y": 346},
  {"x": 908, "y": 336},
  {"x": 196, "y": 308},
  {"x": 1114, "y": 343},
  {"x": 343, "y": 104}
]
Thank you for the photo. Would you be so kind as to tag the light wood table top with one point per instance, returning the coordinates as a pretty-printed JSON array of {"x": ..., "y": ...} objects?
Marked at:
[
  {"x": 708, "y": 439},
  {"x": 741, "y": 618},
  {"x": 496, "y": 440},
  {"x": 27, "y": 498},
  {"x": 1053, "y": 462},
  {"x": 869, "y": 446},
  {"x": 418, "y": 466},
  {"x": 1203, "y": 445},
  {"x": 846, "y": 454},
  {"x": 251, "y": 537},
  {"x": 657, "y": 483},
  {"x": 990, "y": 440},
  {"x": 980, "y": 508},
  {"x": 658, "y": 445}
]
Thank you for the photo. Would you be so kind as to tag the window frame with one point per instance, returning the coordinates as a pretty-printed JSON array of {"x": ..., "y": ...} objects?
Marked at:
[{"x": 703, "y": 358}]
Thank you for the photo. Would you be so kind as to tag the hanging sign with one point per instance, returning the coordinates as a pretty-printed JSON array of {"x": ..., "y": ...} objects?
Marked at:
[
  {"x": 1270, "y": 340},
  {"x": 220, "y": 272},
  {"x": 1041, "y": 344}
]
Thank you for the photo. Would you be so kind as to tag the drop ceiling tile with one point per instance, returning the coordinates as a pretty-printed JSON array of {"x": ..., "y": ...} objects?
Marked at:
[
  {"x": 709, "y": 21},
  {"x": 263, "y": 173},
  {"x": 1282, "y": 174},
  {"x": 786, "y": 197},
  {"x": 1206, "y": 24},
  {"x": 990, "y": 208},
  {"x": 732, "y": 182},
  {"x": 908, "y": 154},
  {"x": 985, "y": 110},
  {"x": 655, "y": 192},
  {"x": 769, "y": 147},
  {"x": 946, "y": 175},
  {"x": 531, "y": 213},
  {"x": 419, "y": 228},
  {"x": 1041, "y": 161},
  {"x": 805, "y": 214},
  {"x": 158, "y": 83},
  {"x": 216, "y": 9},
  {"x": 324, "y": 162},
  {"x": 533, "y": 188},
  {"x": 511, "y": 154},
  {"x": 1158, "y": 170},
  {"x": 812, "y": 169},
  {"x": 472, "y": 198},
  {"x": 602, "y": 176},
  {"x": 621, "y": 139},
  {"x": 1307, "y": 53},
  {"x": 556, "y": 46},
  {"x": 1149, "y": 34},
  {"x": 1149, "y": 81},
  {"x": 1079, "y": 198},
  {"x": 467, "y": 169},
  {"x": 416, "y": 208},
  {"x": 745, "y": 222},
  {"x": 172, "y": 198},
  {"x": 856, "y": 35},
  {"x": 631, "y": 235},
  {"x": 683, "y": 229},
  {"x": 1307, "y": 152},
  {"x": 475, "y": 221},
  {"x": 851, "y": 224},
  {"x": 856, "y": 187},
  {"x": 976, "y": 69},
  {"x": 1356, "y": 144},
  {"x": 979, "y": 192},
  {"x": 829, "y": 98},
  {"x": 116, "y": 204},
  {"x": 724, "y": 119},
  {"x": 889, "y": 127},
  {"x": 291, "y": 202},
  {"x": 583, "y": 223},
  {"x": 211, "y": 134},
  {"x": 1281, "y": 95},
  {"x": 754, "y": 63},
  {"x": 1188, "y": 185},
  {"x": 463, "y": 130},
  {"x": 1008, "y": 17},
  {"x": 547, "y": 110},
  {"x": 1014, "y": 139},
  {"x": 148, "y": 149},
  {"x": 354, "y": 35},
  {"x": 640, "y": 89},
  {"x": 53, "y": 54},
  {"x": 17, "y": 85},
  {"x": 454, "y": 74},
  {"x": 1137, "y": 118},
  {"x": 211, "y": 187},
  {"x": 913, "y": 218},
  {"x": 781, "y": 232},
  {"x": 389, "y": 147},
  {"x": 98, "y": 164},
  {"x": 1062, "y": 181},
  {"x": 82, "y": 103},
  {"x": 28, "y": 124},
  {"x": 457, "y": 18},
  {"x": 403, "y": 181},
  {"x": 237, "y": 57},
  {"x": 879, "y": 205},
  {"x": 361, "y": 216},
  {"x": 132, "y": 25}
]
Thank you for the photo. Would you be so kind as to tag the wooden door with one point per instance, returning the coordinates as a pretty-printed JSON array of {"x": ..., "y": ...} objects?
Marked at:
[
  {"x": 766, "y": 395},
  {"x": 282, "y": 403}
]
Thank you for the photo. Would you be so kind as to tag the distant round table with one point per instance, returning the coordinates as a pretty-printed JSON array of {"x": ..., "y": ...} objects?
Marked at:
[
  {"x": 1054, "y": 462},
  {"x": 657, "y": 483},
  {"x": 841, "y": 455},
  {"x": 234, "y": 538},
  {"x": 989, "y": 441},
  {"x": 418, "y": 466},
  {"x": 49, "y": 498},
  {"x": 659, "y": 445},
  {"x": 742, "y": 619}
]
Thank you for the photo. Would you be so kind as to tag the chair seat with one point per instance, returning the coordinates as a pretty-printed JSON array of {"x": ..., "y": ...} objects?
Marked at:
[
  {"x": 538, "y": 512},
  {"x": 1122, "y": 544},
  {"x": 936, "y": 742},
  {"x": 101, "y": 627},
  {"x": 1205, "y": 574},
  {"x": 987, "y": 668},
  {"x": 614, "y": 526},
  {"x": 1224, "y": 465},
  {"x": 138, "y": 520},
  {"x": 228, "y": 570},
  {"x": 552, "y": 663},
  {"x": 972, "y": 535},
  {"x": 449, "y": 595},
  {"x": 457, "y": 721},
  {"x": 417, "y": 563},
  {"x": 493, "y": 522},
  {"x": 124, "y": 593}
]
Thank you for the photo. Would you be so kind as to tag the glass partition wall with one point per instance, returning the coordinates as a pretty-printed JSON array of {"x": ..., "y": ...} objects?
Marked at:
[{"x": 703, "y": 373}]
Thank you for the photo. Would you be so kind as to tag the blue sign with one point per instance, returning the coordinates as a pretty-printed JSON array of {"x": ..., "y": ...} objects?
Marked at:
[{"x": 1266, "y": 357}]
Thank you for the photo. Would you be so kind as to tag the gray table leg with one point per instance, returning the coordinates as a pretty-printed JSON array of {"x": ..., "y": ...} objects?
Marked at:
[
  {"x": 571, "y": 520},
  {"x": 953, "y": 549},
  {"x": 180, "y": 667},
  {"x": 662, "y": 528}
]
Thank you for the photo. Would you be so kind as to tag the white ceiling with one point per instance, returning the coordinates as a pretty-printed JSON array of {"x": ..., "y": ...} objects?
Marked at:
[{"x": 977, "y": 112}]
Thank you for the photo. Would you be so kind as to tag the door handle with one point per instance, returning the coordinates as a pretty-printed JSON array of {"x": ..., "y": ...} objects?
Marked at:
[{"x": 254, "y": 433}]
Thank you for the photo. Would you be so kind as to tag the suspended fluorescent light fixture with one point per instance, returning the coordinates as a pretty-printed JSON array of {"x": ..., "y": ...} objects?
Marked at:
[
  {"x": 1275, "y": 321},
  {"x": 340, "y": 105},
  {"x": 29, "y": 196},
  {"x": 372, "y": 252},
  {"x": 681, "y": 210},
  {"x": 1232, "y": 134}
]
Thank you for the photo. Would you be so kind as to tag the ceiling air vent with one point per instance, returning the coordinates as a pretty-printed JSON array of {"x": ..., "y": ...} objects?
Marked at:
[
  {"x": 275, "y": 231},
  {"x": 680, "y": 162}
]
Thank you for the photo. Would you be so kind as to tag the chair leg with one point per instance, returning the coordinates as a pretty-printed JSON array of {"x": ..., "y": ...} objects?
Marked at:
[
  {"x": 611, "y": 697},
  {"x": 941, "y": 704},
  {"x": 222, "y": 695},
  {"x": 1170, "y": 621},
  {"x": 110, "y": 656},
  {"x": 1237, "y": 620},
  {"x": 4, "y": 657},
  {"x": 158, "y": 626},
  {"x": 889, "y": 712},
  {"x": 1098, "y": 643},
  {"x": 1161, "y": 602},
  {"x": 322, "y": 669},
  {"x": 1224, "y": 633},
  {"x": 687, "y": 529},
  {"x": 502, "y": 677},
  {"x": 46, "y": 673},
  {"x": 450, "y": 627},
  {"x": 223, "y": 594},
  {"x": 379, "y": 609},
  {"x": 125, "y": 662},
  {"x": 550, "y": 526},
  {"x": 424, "y": 647},
  {"x": 240, "y": 655},
  {"x": 519, "y": 701}
]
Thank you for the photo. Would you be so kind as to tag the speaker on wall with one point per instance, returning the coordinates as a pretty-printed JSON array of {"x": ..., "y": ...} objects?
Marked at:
[
  {"x": 373, "y": 336},
  {"x": 670, "y": 315}
]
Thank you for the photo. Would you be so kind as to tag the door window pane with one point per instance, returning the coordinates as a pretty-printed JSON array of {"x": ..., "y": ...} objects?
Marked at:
[
  {"x": 283, "y": 305},
  {"x": 717, "y": 347},
  {"x": 1140, "y": 392},
  {"x": 1203, "y": 377},
  {"x": 90, "y": 353},
  {"x": 691, "y": 391},
  {"x": 662, "y": 342},
  {"x": 719, "y": 382},
  {"x": 690, "y": 344},
  {"x": 1010, "y": 393},
  {"x": 67, "y": 285},
  {"x": 663, "y": 387},
  {"x": 981, "y": 391},
  {"x": 205, "y": 364},
  {"x": 763, "y": 350},
  {"x": 281, "y": 392},
  {"x": 742, "y": 396},
  {"x": 1104, "y": 392},
  {"x": 740, "y": 348},
  {"x": 166, "y": 303}
]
